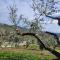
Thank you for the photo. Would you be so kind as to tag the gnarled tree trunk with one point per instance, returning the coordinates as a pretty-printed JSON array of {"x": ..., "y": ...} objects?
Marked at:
[{"x": 57, "y": 54}]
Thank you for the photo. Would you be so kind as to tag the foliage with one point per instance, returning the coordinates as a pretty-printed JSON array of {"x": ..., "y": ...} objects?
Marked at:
[{"x": 33, "y": 47}]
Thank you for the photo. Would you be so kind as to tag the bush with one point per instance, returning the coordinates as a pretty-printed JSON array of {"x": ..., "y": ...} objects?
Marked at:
[{"x": 33, "y": 47}]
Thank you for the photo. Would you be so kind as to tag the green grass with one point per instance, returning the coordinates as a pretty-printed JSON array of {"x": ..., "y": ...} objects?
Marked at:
[
  {"x": 18, "y": 56},
  {"x": 23, "y": 54},
  {"x": 33, "y": 47}
]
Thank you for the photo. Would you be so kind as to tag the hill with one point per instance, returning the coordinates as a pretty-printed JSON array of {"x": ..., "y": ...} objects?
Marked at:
[
  {"x": 6, "y": 36},
  {"x": 9, "y": 28}
]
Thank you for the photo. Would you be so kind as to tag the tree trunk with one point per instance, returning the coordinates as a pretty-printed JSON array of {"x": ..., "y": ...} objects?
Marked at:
[{"x": 57, "y": 54}]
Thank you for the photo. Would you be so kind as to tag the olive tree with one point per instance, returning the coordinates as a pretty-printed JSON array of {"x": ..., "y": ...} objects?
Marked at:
[{"x": 13, "y": 16}]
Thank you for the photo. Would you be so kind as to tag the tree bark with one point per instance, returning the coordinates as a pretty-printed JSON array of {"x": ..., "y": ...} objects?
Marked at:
[{"x": 57, "y": 54}]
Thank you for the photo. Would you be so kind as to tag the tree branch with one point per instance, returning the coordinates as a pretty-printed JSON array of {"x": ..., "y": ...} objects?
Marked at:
[
  {"x": 55, "y": 36},
  {"x": 57, "y": 54}
]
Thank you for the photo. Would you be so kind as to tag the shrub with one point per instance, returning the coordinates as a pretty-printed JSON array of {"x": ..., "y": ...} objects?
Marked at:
[{"x": 33, "y": 47}]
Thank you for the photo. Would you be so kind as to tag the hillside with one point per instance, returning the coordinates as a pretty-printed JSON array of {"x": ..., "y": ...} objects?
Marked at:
[
  {"x": 6, "y": 36},
  {"x": 10, "y": 28}
]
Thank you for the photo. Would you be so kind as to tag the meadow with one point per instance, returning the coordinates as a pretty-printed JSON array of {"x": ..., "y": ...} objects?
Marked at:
[{"x": 24, "y": 54}]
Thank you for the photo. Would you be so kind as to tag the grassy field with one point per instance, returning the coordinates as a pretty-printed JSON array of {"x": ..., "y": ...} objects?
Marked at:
[{"x": 24, "y": 54}]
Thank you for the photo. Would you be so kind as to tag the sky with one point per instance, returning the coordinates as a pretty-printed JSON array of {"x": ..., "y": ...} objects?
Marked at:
[{"x": 24, "y": 7}]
